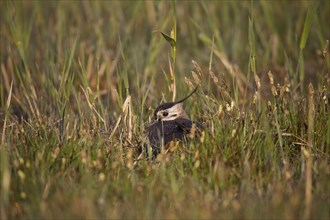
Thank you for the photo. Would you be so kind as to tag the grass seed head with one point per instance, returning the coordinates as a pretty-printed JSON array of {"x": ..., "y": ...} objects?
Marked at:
[
  {"x": 101, "y": 177},
  {"x": 21, "y": 175}
]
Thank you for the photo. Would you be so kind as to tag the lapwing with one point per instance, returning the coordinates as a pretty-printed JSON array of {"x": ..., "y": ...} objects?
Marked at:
[{"x": 170, "y": 123}]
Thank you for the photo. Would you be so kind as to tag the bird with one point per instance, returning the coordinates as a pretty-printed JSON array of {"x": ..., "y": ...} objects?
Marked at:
[{"x": 170, "y": 123}]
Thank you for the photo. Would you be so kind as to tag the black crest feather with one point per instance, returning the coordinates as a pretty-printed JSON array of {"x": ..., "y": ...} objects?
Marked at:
[{"x": 170, "y": 104}]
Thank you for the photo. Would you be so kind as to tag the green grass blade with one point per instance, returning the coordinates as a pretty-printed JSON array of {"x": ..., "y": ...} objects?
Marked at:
[{"x": 311, "y": 13}]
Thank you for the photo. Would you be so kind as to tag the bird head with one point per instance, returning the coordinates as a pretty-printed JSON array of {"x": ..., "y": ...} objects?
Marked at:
[{"x": 172, "y": 110}]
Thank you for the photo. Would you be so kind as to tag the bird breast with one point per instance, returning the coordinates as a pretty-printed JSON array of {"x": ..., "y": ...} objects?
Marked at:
[{"x": 168, "y": 131}]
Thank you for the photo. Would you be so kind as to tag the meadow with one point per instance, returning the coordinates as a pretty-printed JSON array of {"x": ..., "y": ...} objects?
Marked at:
[{"x": 80, "y": 81}]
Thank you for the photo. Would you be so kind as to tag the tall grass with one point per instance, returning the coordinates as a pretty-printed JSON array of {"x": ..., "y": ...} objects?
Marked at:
[{"x": 80, "y": 80}]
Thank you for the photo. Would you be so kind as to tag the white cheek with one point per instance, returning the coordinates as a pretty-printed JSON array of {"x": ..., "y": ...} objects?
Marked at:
[{"x": 170, "y": 118}]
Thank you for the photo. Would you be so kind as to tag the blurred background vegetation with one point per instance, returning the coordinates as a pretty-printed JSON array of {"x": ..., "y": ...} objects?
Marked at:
[
  {"x": 122, "y": 39},
  {"x": 86, "y": 76}
]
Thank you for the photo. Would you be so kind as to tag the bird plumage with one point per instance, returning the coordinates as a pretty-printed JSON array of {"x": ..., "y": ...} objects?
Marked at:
[
  {"x": 170, "y": 123},
  {"x": 168, "y": 131}
]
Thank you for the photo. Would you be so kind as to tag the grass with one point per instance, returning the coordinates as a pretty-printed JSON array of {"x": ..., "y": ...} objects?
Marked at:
[{"x": 79, "y": 81}]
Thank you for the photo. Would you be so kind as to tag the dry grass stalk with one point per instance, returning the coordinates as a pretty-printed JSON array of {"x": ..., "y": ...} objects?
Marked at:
[
  {"x": 214, "y": 78},
  {"x": 124, "y": 114},
  {"x": 272, "y": 86},
  {"x": 189, "y": 83},
  {"x": 222, "y": 87},
  {"x": 256, "y": 97},
  {"x": 5, "y": 121},
  {"x": 196, "y": 79},
  {"x": 128, "y": 117},
  {"x": 197, "y": 67},
  {"x": 311, "y": 112},
  {"x": 6, "y": 76},
  {"x": 308, "y": 152},
  {"x": 5, "y": 177},
  {"x": 241, "y": 79},
  {"x": 91, "y": 106},
  {"x": 257, "y": 80}
]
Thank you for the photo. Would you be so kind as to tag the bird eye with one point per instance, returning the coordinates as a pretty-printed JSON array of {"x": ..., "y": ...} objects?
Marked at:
[{"x": 165, "y": 114}]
